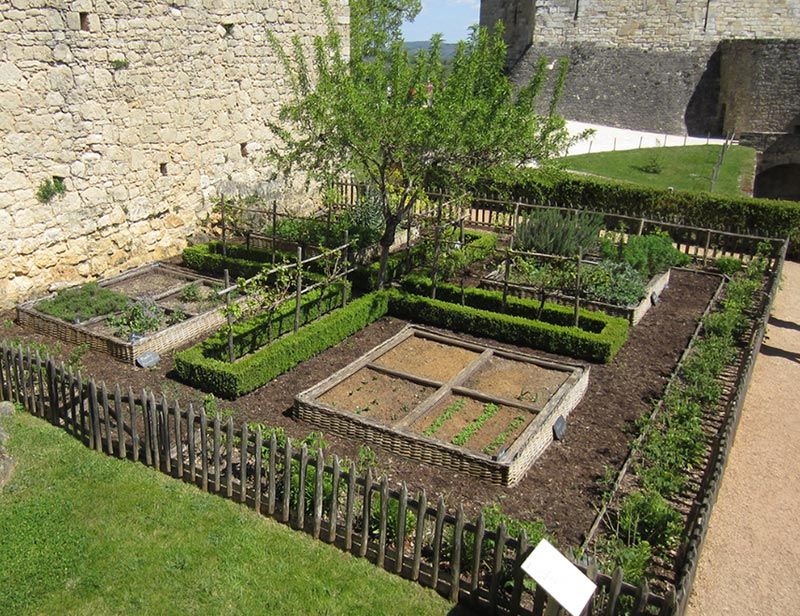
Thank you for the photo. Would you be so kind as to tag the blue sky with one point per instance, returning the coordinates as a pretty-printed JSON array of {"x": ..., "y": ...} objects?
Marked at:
[{"x": 452, "y": 18}]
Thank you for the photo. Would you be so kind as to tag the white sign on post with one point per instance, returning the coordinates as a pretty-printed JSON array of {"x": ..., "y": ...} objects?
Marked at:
[{"x": 562, "y": 580}]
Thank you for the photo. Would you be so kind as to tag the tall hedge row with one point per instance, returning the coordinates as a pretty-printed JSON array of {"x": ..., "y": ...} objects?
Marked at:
[{"x": 768, "y": 217}]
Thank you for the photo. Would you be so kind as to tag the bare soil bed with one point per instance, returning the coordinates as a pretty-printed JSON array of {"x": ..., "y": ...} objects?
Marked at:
[
  {"x": 383, "y": 398},
  {"x": 427, "y": 358},
  {"x": 514, "y": 380},
  {"x": 562, "y": 488},
  {"x": 147, "y": 284}
]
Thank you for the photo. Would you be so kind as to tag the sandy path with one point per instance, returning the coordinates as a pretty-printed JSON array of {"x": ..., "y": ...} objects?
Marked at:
[{"x": 750, "y": 563}]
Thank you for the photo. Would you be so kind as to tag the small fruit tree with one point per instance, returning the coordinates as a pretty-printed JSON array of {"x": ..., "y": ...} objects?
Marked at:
[{"x": 403, "y": 123}]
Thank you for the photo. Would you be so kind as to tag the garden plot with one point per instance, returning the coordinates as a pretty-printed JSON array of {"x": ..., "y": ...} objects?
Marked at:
[
  {"x": 472, "y": 408},
  {"x": 153, "y": 308}
]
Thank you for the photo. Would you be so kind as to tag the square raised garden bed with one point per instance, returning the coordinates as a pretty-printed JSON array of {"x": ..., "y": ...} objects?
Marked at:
[
  {"x": 189, "y": 303},
  {"x": 471, "y": 408}
]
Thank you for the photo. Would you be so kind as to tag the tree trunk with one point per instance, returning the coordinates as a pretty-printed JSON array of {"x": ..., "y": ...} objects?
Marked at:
[{"x": 386, "y": 241}]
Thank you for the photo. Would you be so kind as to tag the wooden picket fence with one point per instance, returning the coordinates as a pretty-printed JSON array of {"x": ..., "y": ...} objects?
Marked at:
[{"x": 317, "y": 494}]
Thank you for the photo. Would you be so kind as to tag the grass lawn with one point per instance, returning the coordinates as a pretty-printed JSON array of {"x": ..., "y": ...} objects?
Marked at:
[
  {"x": 82, "y": 533},
  {"x": 683, "y": 168}
]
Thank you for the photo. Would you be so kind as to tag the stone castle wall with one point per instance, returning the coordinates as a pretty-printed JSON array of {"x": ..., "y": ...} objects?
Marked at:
[
  {"x": 660, "y": 65},
  {"x": 145, "y": 109},
  {"x": 661, "y": 25}
]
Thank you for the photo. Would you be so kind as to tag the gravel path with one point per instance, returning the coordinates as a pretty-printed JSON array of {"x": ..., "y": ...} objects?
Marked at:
[{"x": 750, "y": 563}]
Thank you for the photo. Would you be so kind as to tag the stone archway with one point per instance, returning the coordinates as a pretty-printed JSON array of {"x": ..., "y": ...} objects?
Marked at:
[{"x": 779, "y": 182}]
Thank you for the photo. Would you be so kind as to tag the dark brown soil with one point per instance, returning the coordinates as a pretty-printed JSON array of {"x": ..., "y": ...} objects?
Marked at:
[
  {"x": 147, "y": 284},
  {"x": 562, "y": 488},
  {"x": 369, "y": 393},
  {"x": 517, "y": 380},
  {"x": 427, "y": 358}
]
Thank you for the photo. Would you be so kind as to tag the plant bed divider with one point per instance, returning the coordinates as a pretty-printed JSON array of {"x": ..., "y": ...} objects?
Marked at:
[
  {"x": 653, "y": 414},
  {"x": 507, "y": 468},
  {"x": 159, "y": 342},
  {"x": 598, "y": 337},
  {"x": 188, "y": 446},
  {"x": 199, "y": 366},
  {"x": 633, "y": 313},
  {"x": 715, "y": 469}
]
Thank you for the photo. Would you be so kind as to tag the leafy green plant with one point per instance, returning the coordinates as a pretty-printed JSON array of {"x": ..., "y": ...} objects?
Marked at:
[
  {"x": 728, "y": 265},
  {"x": 82, "y": 303},
  {"x": 647, "y": 516},
  {"x": 139, "y": 317},
  {"x": 177, "y": 315},
  {"x": 612, "y": 551},
  {"x": 501, "y": 438},
  {"x": 489, "y": 410},
  {"x": 50, "y": 188},
  {"x": 367, "y": 458},
  {"x": 190, "y": 293},
  {"x": 444, "y": 417},
  {"x": 119, "y": 63},
  {"x": 652, "y": 254},
  {"x": 613, "y": 283},
  {"x": 552, "y": 231},
  {"x": 74, "y": 360}
]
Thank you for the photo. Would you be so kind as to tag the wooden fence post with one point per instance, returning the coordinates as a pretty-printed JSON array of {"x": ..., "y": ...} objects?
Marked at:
[
  {"x": 333, "y": 515},
  {"x": 422, "y": 510},
  {"x": 229, "y": 458},
  {"x": 349, "y": 506},
  {"x": 244, "y": 443},
  {"x": 438, "y": 531},
  {"x": 497, "y": 569},
  {"x": 274, "y": 228},
  {"x": 271, "y": 479},
  {"x": 298, "y": 293},
  {"x": 474, "y": 578},
  {"x": 300, "y": 512},
  {"x": 287, "y": 481},
  {"x": 259, "y": 470},
  {"x": 229, "y": 317},
  {"x": 319, "y": 471},
  {"x": 121, "y": 447},
  {"x": 455, "y": 559},
  {"x": 367, "y": 512},
  {"x": 401, "y": 528},
  {"x": 382, "y": 521}
]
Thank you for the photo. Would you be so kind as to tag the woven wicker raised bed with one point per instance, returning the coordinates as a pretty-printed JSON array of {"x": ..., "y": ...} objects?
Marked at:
[
  {"x": 507, "y": 467},
  {"x": 633, "y": 313},
  {"x": 164, "y": 340}
]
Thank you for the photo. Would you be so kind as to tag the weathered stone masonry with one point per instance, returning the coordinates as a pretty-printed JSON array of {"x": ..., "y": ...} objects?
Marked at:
[
  {"x": 657, "y": 64},
  {"x": 699, "y": 66},
  {"x": 143, "y": 108}
]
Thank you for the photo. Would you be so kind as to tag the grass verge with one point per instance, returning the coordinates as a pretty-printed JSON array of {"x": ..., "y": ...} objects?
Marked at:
[
  {"x": 683, "y": 168},
  {"x": 81, "y": 533}
]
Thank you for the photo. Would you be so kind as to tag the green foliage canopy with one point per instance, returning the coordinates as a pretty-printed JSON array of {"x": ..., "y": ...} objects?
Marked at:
[{"x": 400, "y": 123}]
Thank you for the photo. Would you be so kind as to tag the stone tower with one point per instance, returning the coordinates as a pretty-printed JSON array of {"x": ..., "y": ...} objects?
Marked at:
[{"x": 696, "y": 66}]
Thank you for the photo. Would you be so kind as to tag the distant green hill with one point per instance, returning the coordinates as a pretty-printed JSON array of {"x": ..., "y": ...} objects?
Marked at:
[{"x": 448, "y": 49}]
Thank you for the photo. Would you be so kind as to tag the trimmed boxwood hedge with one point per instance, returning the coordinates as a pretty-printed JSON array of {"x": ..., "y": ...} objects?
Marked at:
[
  {"x": 202, "y": 366},
  {"x": 598, "y": 339},
  {"x": 485, "y": 299},
  {"x": 768, "y": 217}
]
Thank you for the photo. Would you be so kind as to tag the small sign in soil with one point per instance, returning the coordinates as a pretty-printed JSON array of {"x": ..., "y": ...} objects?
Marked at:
[{"x": 472, "y": 408}]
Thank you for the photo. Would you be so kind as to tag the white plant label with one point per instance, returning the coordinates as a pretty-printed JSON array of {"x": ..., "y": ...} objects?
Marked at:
[{"x": 562, "y": 580}]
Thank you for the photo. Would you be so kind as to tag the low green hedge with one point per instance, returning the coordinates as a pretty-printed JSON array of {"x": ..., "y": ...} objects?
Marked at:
[
  {"x": 252, "y": 334},
  {"x": 517, "y": 326},
  {"x": 204, "y": 365},
  {"x": 200, "y": 365},
  {"x": 485, "y": 299},
  {"x": 768, "y": 217}
]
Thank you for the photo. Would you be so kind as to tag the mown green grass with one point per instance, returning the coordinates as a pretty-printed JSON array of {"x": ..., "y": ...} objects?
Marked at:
[
  {"x": 683, "y": 168},
  {"x": 81, "y": 533}
]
